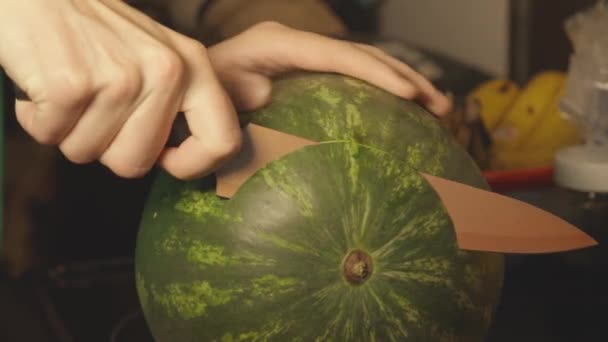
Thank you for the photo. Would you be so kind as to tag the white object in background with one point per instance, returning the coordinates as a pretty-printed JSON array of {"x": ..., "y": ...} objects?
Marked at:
[
  {"x": 585, "y": 102},
  {"x": 583, "y": 168}
]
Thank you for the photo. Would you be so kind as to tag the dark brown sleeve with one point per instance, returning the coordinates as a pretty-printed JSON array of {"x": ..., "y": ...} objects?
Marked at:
[{"x": 225, "y": 18}]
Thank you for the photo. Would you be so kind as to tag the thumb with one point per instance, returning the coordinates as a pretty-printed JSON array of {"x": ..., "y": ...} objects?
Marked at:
[{"x": 248, "y": 90}]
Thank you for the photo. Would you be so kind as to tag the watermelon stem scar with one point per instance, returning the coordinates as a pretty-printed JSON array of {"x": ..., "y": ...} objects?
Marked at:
[{"x": 357, "y": 267}]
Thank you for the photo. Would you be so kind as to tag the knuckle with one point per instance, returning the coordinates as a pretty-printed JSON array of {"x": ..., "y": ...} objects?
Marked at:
[
  {"x": 126, "y": 83},
  {"x": 195, "y": 48},
  {"x": 168, "y": 67},
  {"x": 47, "y": 136},
  {"x": 70, "y": 88},
  {"x": 44, "y": 130}
]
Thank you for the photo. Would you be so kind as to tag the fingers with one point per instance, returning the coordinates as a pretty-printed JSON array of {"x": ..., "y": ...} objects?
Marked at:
[
  {"x": 49, "y": 120},
  {"x": 429, "y": 96},
  {"x": 271, "y": 48},
  {"x": 141, "y": 138},
  {"x": 294, "y": 49},
  {"x": 103, "y": 118},
  {"x": 211, "y": 117},
  {"x": 248, "y": 90}
]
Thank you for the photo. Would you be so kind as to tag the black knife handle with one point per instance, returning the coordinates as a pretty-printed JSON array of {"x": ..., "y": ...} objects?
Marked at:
[{"x": 179, "y": 131}]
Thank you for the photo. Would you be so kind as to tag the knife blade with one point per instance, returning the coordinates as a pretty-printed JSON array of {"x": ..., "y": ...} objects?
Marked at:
[{"x": 489, "y": 221}]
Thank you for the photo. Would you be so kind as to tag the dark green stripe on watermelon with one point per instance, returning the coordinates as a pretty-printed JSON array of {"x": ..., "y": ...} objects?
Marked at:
[{"x": 269, "y": 264}]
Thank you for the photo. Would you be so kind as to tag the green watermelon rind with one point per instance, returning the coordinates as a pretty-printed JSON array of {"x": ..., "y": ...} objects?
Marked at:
[{"x": 178, "y": 270}]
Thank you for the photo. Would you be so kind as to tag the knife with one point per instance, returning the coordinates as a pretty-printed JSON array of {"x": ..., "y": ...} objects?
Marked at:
[{"x": 486, "y": 221}]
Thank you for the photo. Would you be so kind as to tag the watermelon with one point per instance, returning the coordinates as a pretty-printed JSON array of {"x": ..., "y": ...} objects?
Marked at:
[{"x": 338, "y": 241}]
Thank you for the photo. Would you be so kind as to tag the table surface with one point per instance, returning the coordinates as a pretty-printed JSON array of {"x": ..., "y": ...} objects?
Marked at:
[{"x": 562, "y": 296}]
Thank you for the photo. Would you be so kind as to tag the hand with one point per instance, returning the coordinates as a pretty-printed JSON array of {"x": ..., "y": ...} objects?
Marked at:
[
  {"x": 246, "y": 63},
  {"x": 106, "y": 83}
]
